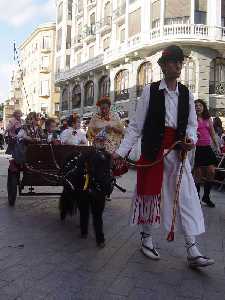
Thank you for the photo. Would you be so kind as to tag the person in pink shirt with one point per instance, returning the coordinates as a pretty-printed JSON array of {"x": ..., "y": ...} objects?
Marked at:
[{"x": 205, "y": 158}]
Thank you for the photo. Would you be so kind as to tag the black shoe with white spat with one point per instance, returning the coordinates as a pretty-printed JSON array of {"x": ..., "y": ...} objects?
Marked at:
[{"x": 147, "y": 247}]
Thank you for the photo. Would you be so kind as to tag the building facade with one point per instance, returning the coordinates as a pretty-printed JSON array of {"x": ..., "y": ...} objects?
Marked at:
[
  {"x": 37, "y": 57},
  {"x": 16, "y": 98},
  {"x": 111, "y": 47}
]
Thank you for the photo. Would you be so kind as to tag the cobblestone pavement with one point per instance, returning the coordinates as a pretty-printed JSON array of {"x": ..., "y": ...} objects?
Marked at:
[{"x": 42, "y": 258}]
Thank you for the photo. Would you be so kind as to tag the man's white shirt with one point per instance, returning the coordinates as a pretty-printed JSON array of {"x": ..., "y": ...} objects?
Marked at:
[{"x": 136, "y": 125}]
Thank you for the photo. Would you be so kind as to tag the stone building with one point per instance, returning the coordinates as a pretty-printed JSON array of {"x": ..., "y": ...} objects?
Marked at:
[
  {"x": 37, "y": 59},
  {"x": 111, "y": 47}
]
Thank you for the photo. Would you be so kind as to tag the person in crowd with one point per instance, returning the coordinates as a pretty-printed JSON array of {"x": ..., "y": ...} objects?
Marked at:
[
  {"x": 31, "y": 132},
  {"x": 52, "y": 134},
  {"x": 205, "y": 158},
  {"x": 64, "y": 124},
  {"x": 218, "y": 126},
  {"x": 166, "y": 114},
  {"x": 2, "y": 138},
  {"x": 12, "y": 129},
  {"x": 73, "y": 135},
  {"x": 41, "y": 122},
  {"x": 107, "y": 124}
]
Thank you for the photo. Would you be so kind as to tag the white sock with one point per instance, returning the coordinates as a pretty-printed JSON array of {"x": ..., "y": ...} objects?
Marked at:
[
  {"x": 146, "y": 230},
  {"x": 191, "y": 250}
]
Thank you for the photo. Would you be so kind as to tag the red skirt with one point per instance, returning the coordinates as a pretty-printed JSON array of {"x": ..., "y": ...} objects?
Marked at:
[{"x": 149, "y": 179}]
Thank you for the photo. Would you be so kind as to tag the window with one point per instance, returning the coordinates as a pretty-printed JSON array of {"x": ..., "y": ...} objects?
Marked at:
[
  {"x": 223, "y": 13},
  {"x": 67, "y": 62},
  {"x": 217, "y": 76},
  {"x": 76, "y": 96},
  {"x": 60, "y": 13},
  {"x": 65, "y": 98},
  {"x": 57, "y": 65},
  {"x": 104, "y": 86},
  {"x": 200, "y": 11},
  {"x": 44, "y": 61},
  {"x": 144, "y": 77},
  {"x": 155, "y": 14},
  {"x": 46, "y": 42},
  {"x": 188, "y": 75},
  {"x": 70, "y": 9},
  {"x": 44, "y": 89},
  {"x": 89, "y": 94},
  {"x": 122, "y": 35},
  {"x": 68, "y": 37},
  {"x": 134, "y": 20},
  {"x": 59, "y": 39},
  {"x": 121, "y": 85},
  {"x": 92, "y": 19},
  {"x": 80, "y": 5},
  {"x": 107, "y": 10},
  {"x": 56, "y": 108},
  {"x": 177, "y": 12},
  {"x": 78, "y": 58},
  {"x": 91, "y": 51},
  {"x": 106, "y": 43}
]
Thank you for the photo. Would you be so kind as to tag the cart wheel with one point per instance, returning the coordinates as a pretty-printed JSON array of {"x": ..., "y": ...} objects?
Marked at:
[{"x": 12, "y": 182}]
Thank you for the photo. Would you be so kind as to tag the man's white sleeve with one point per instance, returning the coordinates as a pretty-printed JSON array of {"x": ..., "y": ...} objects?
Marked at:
[
  {"x": 134, "y": 130},
  {"x": 192, "y": 120}
]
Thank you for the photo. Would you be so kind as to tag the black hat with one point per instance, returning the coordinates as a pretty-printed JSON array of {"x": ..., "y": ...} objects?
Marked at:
[{"x": 171, "y": 53}]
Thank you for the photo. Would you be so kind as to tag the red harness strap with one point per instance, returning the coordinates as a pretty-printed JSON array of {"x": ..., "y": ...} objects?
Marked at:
[{"x": 149, "y": 180}]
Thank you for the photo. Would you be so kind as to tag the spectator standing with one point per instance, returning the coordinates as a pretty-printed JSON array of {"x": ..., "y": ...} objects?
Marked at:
[
  {"x": 12, "y": 129},
  {"x": 107, "y": 125},
  {"x": 205, "y": 158}
]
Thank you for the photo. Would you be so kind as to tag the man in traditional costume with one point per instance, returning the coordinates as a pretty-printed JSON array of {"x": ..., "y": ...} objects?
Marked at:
[{"x": 165, "y": 114}]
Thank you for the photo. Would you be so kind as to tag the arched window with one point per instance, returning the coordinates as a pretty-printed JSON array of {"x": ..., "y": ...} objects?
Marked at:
[
  {"x": 89, "y": 94},
  {"x": 104, "y": 86},
  {"x": 217, "y": 76},
  {"x": 121, "y": 85},
  {"x": 76, "y": 96},
  {"x": 144, "y": 77},
  {"x": 188, "y": 74},
  {"x": 65, "y": 99}
]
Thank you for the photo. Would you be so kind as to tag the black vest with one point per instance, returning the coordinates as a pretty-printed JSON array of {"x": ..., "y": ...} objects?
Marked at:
[{"x": 154, "y": 125}]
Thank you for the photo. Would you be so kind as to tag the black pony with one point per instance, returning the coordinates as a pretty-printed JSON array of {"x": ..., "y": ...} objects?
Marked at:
[{"x": 88, "y": 179}]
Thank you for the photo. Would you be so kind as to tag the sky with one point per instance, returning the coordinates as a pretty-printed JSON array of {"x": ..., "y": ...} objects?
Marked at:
[{"x": 18, "y": 19}]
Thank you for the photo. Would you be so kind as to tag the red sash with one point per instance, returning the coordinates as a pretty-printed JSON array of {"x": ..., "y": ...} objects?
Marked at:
[{"x": 149, "y": 180}]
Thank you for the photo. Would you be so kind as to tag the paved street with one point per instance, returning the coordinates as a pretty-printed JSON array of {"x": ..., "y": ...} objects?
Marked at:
[{"x": 42, "y": 258}]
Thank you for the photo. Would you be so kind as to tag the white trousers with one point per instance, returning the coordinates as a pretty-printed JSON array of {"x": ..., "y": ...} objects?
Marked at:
[{"x": 189, "y": 218}]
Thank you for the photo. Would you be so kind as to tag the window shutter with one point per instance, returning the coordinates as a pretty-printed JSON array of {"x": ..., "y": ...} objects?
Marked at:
[
  {"x": 177, "y": 8},
  {"x": 155, "y": 10},
  {"x": 201, "y": 5},
  {"x": 223, "y": 8},
  {"x": 134, "y": 22}
]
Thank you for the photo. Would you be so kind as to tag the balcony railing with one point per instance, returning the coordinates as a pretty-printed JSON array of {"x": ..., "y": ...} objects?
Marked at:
[
  {"x": 91, "y": 3},
  {"x": 107, "y": 21},
  {"x": 181, "y": 30},
  {"x": 44, "y": 69},
  {"x": 78, "y": 39},
  {"x": 90, "y": 30},
  {"x": 217, "y": 88},
  {"x": 120, "y": 11}
]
